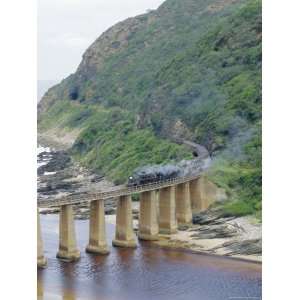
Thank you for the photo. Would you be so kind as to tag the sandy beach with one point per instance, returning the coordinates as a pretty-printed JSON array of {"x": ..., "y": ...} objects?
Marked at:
[{"x": 249, "y": 229}]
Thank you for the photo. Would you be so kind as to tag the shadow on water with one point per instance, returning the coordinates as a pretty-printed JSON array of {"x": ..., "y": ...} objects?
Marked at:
[{"x": 144, "y": 273}]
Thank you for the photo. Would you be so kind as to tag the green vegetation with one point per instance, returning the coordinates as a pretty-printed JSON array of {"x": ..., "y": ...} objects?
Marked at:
[
  {"x": 195, "y": 61},
  {"x": 223, "y": 73},
  {"x": 109, "y": 142},
  {"x": 68, "y": 115},
  {"x": 112, "y": 145}
]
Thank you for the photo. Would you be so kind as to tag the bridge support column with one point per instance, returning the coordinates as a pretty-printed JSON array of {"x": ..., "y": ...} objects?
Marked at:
[
  {"x": 167, "y": 211},
  {"x": 148, "y": 223},
  {"x": 183, "y": 204},
  {"x": 124, "y": 227},
  {"x": 195, "y": 192},
  {"x": 41, "y": 260},
  {"x": 40, "y": 290},
  {"x": 67, "y": 240},
  {"x": 97, "y": 241}
]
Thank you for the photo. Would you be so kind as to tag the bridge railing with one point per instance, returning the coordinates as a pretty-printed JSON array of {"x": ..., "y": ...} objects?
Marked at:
[{"x": 113, "y": 193}]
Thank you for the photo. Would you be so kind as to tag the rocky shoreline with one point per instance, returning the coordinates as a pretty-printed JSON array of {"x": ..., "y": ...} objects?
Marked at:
[
  {"x": 210, "y": 233},
  {"x": 59, "y": 175}
]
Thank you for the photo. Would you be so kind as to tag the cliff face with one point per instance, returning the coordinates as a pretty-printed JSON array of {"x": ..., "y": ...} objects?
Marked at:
[
  {"x": 113, "y": 41},
  {"x": 119, "y": 67},
  {"x": 191, "y": 69}
]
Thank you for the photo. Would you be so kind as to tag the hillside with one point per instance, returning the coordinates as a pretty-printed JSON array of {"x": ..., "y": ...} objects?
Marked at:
[{"x": 191, "y": 69}]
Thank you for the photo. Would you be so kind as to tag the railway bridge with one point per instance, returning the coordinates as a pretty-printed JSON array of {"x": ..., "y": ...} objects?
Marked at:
[{"x": 176, "y": 198}]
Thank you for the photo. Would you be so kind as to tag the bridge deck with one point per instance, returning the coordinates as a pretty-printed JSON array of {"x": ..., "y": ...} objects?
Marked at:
[{"x": 112, "y": 192}]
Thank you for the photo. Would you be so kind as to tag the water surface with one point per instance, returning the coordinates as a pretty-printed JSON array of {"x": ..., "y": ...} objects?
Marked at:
[{"x": 144, "y": 273}]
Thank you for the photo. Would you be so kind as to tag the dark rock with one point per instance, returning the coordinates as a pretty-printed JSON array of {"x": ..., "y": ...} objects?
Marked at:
[
  {"x": 68, "y": 177},
  {"x": 183, "y": 227},
  {"x": 97, "y": 178},
  {"x": 110, "y": 211},
  {"x": 50, "y": 211},
  {"x": 212, "y": 216},
  {"x": 215, "y": 231},
  {"x": 245, "y": 247},
  {"x": 59, "y": 160}
]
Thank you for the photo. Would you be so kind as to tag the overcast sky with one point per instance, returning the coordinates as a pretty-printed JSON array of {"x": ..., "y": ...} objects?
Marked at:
[{"x": 67, "y": 27}]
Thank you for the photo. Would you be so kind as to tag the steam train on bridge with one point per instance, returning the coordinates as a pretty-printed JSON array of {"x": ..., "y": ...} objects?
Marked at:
[
  {"x": 151, "y": 174},
  {"x": 157, "y": 173}
]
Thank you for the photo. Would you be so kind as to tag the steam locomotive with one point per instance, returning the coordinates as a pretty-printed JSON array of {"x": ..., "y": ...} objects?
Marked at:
[
  {"x": 151, "y": 174},
  {"x": 156, "y": 173}
]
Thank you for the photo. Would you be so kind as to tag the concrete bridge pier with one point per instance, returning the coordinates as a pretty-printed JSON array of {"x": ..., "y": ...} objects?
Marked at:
[
  {"x": 167, "y": 211},
  {"x": 183, "y": 204},
  {"x": 41, "y": 260},
  {"x": 40, "y": 290},
  {"x": 124, "y": 228},
  {"x": 148, "y": 221},
  {"x": 195, "y": 193},
  {"x": 97, "y": 241},
  {"x": 67, "y": 240}
]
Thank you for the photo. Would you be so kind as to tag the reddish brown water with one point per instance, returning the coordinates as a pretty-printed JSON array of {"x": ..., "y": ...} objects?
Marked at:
[{"x": 145, "y": 273}]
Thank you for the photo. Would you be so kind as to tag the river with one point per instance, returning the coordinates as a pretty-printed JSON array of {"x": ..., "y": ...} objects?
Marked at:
[{"x": 144, "y": 273}]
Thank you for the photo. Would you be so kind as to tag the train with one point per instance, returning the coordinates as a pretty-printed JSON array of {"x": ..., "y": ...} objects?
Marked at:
[
  {"x": 152, "y": 174},
  {"x": 157, "y": 173}
]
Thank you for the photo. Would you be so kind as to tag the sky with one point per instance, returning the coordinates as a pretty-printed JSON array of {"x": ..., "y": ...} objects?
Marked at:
[{"x": 67, "y": 27}]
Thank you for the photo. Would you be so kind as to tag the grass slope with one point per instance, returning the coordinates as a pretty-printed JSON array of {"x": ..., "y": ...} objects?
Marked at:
[
  {"x": 198, "y": 61},
  {"x": 109, "y": 142},
  {"x": 215, "y": 88}
]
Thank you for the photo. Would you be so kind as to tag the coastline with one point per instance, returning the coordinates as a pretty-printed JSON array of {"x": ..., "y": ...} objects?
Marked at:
[{"x": 182, "y": 241}]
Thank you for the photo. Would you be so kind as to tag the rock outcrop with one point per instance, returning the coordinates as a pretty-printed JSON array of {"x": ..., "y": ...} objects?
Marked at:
[{"x": 59, "y": 175}]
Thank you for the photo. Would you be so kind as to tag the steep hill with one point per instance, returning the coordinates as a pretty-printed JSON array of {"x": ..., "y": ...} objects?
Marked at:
[{"x": 191, "y": 69}]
